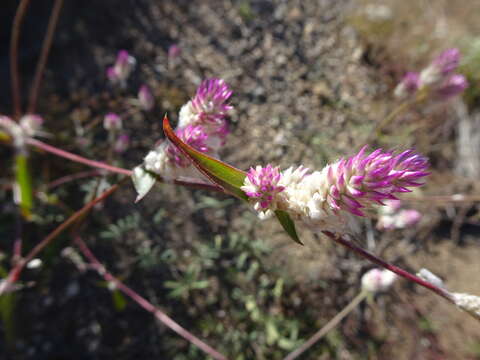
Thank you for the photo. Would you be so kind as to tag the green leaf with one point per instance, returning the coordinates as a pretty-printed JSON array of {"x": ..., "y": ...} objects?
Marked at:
[
  {"x": 119, "y": 300},
  {"x": 220, "y": 173},
  {"x": 288, "y": 225},
  {"x": 143, "y": 182},
  {"x": 24, "y": 182}
]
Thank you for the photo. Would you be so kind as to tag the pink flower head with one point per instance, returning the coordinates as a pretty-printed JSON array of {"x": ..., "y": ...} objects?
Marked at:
[
  {"x": 409, "y": 85},
  {"x": 121, "y": 144},
  {"x": 447, "y": 61},
  {"x": 365, "y": 179},
  {"x": 193, "y": 135},
  {"x": 174, "y": 51},
  {"x": 112, "y": 121},
  {"x": 210, "y": 101},
  {"x": 145, "y": 98},
  {"x": 453, "y": 86},
  {"x": 120, "y": 71},
  {"x": 262, "y": 186}
]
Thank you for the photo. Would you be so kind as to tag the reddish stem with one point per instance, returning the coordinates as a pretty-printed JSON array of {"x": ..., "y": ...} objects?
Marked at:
[
  {"x": 42, "y": 61},
  {"x": 77, "y": 158},
  {"x": 192, "y": 183},
  {"x": 69, "y": 178},
  {"x": 15, "y": 272},
  {"x": 14, "y": 73},
  {"x": 144, "y": 303},
  {"x": 405, "y": 274}
]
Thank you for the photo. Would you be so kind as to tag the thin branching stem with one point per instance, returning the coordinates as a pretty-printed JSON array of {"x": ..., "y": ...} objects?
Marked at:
[
  {"x": 405, "y": 274},
  {"x": 144, "y": 303},
  {"x": 42, "y": 61},
  {"x": 14, "y": 45},
  {"x": 16, "y": 271},
  {"x": 328, "y": 326},
  {"x": 192, "y": 183}
]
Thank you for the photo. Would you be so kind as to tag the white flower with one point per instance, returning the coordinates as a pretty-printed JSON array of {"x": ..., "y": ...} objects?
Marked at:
[{"x": 376, "y": 280}]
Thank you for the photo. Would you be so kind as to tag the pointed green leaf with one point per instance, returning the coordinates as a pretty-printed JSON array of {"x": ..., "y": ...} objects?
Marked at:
[
  {"x": 288, "y": 225},
  {"x": 220, "y": 173},
  {"x": 143, "y": 182}
]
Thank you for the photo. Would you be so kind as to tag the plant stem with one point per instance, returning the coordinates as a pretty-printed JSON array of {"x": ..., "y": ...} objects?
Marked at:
[
  {"x": 15, "y": 272},
  {"x": 405, "y": 274},
  {"x": 192, "y": 183},
  {"x": 329, "y": 326},
  {"x": 144, "y": 303},
  {"x": 77, "y": 158},
  {"x": 47, "y": 44},
  {"x": 14, "y": 73}
]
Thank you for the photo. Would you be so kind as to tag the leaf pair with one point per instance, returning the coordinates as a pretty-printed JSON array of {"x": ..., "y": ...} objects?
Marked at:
[{"x": 229, "y": 178}]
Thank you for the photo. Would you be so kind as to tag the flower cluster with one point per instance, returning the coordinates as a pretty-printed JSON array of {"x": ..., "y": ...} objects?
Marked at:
[
  {"x": 28, "y": 126},
  {"x": 392, "y": 216},
  {"x": 122, "y": 68},
  {"x": 438, "y": 78},
  {"x": 202, "y": 125},
  {"x": 321, "y": 199}
]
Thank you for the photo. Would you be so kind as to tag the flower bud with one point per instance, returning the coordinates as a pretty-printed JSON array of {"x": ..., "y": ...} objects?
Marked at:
[
  {"x": 408, "y": 86},
  {"x": 145, "y": 98},
  {"x": 112, "y": 121},
  {"x": 377, "y": 280},
  {"x": 121, "y": 144},
  {"x": 453, "y": 86}
]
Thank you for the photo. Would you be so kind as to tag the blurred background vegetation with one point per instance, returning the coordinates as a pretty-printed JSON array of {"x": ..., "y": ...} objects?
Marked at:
[{"x": 310, "y": 79}]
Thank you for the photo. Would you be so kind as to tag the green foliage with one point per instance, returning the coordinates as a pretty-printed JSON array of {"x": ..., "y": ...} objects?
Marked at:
[{"x": 121, "y": 227}]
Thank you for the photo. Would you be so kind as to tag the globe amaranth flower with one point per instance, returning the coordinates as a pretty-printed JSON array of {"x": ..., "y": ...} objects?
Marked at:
[
  {"x": 323, "y": 199},
  {"x": 441, "y": 67},
  {"x": 121, "y": 70},
  {"x": 145, "y": 98},
  {"x": 452, "y": 86},
  {"x": 169, "y": 162},
  {"x": 378, "y": 280},
  {"x": 209, "y": 106},
  {"x": 408, "y": 86},
  {"x": 261, "y": 185},
  {"x": 112, "y": 121}
]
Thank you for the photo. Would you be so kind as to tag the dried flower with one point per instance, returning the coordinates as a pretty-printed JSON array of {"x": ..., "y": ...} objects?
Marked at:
[
  {"x": 209, "y": 106},
  {"x": 408, "y": 86},
  {"x": 121, "y": 70},
  {"x": 453, "y": 86},
  {"x": 28, "y": 126},
  {"x": 376, "y": 280},
  {"x": 145, "y": 98},
  {"x": 112, "y": 121}
]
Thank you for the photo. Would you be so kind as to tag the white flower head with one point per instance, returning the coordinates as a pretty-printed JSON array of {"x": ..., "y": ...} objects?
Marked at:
[{"x": 378, "y": 280}]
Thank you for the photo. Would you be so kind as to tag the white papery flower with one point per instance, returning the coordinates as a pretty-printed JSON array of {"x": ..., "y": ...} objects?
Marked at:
[{"x": 378, "y": 280}]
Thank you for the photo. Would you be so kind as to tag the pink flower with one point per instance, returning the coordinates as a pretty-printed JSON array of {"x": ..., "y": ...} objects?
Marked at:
[
  {"x": 209, "y": 106},
  {"x": 174, "y": 51},
  {"x": 112, "y": 121},
  {"x": 121, "y": 144},
  {"x": 261, "y": 185},
  {"x": 193, "y": 135},
  {"x": 447, "y": 61},
  {"x": 409, "y": 85},
  {"x": 120, "y": 71},
  {"x": 145, "y": 98},
  {"x": 365, "y": 179},
  {"x": 453, "y": 86}
]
